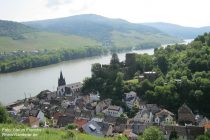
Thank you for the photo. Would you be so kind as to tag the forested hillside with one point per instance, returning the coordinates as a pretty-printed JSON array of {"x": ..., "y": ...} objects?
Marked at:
[
  {"x": 110, "y": 32},
  {"x": 14, "y": 30},
  {"x": 183, "y": 76}
]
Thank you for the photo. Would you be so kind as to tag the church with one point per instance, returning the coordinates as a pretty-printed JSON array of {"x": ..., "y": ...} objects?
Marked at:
[{"x": 64, "y": 89}]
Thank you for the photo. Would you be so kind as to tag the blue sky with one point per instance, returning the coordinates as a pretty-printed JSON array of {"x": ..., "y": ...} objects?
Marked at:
[{"x": 194, "y": 13}]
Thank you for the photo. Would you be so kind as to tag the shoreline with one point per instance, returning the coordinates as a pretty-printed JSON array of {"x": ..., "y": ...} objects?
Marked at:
[{"x": 23, "y": 81}]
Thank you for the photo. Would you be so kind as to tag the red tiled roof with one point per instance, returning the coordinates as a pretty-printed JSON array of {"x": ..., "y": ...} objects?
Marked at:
[
  {"x": 207, "y": 126},
  {"x": 56, "y": 115},
  {"x": 127, "y": 132},
  {"x": 31, "y": 120},
  {"x": 80, "y": 122}
]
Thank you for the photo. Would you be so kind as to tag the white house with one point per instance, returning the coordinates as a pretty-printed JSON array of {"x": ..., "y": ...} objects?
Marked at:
[
  {"x": 164, "y": 117},
  {"x": 131, "y": 94},
  {"x": 65, "y": 103},
  {"x": 103, "y": 105},
  {"x": 114, "y": 111},
  {"x": 94, "y": 97},
  {"x": 61, "y": 90},
  {"x": 144, "y": 116},
  {"x": 142, "y": 105},
  {"x": 69, "y": 90},
  {"x": 131, "y": 98},
  {"x": 131, "y": 102},
  {"x": 40, "y": 116}
]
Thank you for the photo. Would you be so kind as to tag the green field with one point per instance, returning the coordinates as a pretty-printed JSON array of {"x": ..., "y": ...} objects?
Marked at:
[{"x": 44, "y": 40}]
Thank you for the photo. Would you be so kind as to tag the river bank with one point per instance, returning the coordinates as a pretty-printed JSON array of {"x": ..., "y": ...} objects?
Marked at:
[{"x": 30, "y": 82}]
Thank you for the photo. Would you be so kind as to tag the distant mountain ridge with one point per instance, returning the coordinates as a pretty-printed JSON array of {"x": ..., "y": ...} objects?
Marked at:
[
  {"x": 79, "y": 31},
  {"x": 179, "y": 31},
  {"x": 90, "y": 25},
  {"x": 112, "y": 33}
]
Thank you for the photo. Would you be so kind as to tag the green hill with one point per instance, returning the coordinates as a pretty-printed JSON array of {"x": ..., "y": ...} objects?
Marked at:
[
  {"x": 14, "y": 29},
  {"x": 44, "y": 40},
  {"x": 16, "y": 36},
  {"x": 110, "y": 32},
  {"x": 79, "y": 31},
  {"x": 90, "y": 25}
]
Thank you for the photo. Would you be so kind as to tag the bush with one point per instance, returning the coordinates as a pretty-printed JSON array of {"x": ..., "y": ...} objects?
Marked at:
[
  {"x": 71, "y": 126},
  {"x": 152, "y": 133},
  {"x": 4, "y": 116}
]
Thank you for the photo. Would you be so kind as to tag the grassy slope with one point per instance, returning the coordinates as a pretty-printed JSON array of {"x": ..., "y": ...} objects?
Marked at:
[
  {"x": 80, "y": 31},
  {"x": 48, "y": 40},
  {"x": 51, "y": 134},
  {"x": 44, "y": 40}
]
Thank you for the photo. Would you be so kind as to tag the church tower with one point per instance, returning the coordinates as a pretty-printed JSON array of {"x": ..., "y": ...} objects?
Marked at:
[{"x": 61, "y": 80}]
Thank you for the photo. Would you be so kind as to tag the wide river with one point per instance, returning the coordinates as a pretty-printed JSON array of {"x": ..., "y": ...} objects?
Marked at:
[{"x": 16, "y": 85}]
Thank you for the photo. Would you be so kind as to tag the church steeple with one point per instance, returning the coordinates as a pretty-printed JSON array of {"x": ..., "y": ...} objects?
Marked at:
[{"x": 61, "y": 80}]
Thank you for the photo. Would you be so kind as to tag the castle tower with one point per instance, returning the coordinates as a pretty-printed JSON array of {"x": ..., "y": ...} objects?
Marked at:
[{"x": 61, "y": 80}]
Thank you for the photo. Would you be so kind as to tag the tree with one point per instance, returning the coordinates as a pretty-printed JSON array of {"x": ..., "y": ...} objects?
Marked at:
[
  {"x": 71, "y": 126},
  {"x": 162, "y": 63},
  {"x": 118, "y": 86},
  {"x": 152, "y": 133},
  {"x": 119, "y": 82},
  {"x": 208, "y": 41},
  {"x": 206, "y": 136},
  {"x": 134, "y": 110},
  {"x": 202, "y": 137},
  {"x": 159, "y": 81},
  {"x": 173, "y": 135},
  {"x": 4, "y": 116},
  {"x": 96, "y": 69},
  {"x": 145, "y": 86},
  {"x": 114, "y": 60}
]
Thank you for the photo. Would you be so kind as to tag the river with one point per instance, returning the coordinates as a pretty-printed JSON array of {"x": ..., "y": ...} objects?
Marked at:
[{"x": 16, "y": 85}]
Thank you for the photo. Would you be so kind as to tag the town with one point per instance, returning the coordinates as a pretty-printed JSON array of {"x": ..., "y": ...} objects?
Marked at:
[{"x": 69, "y": 106}]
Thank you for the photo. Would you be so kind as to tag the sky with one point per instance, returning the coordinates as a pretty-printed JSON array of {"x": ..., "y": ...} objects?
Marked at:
[{"x": 194, "y": 13}]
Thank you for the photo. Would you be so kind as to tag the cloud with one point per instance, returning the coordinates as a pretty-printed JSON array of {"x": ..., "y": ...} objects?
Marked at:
[
  {"x": 57, "y": 3},
  {"x": 71, "y": 7},
  {"x": 81, "y": 6}
]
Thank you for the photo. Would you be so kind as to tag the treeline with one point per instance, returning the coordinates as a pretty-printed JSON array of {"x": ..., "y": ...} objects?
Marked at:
[
  {"x": 30, "y": 60},
  {"x": 148, "y": 45},
  {"x": 183, "y": 76}
]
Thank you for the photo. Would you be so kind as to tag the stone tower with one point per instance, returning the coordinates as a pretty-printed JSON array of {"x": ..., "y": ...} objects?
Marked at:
[{"x": 185, "y": 115}]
